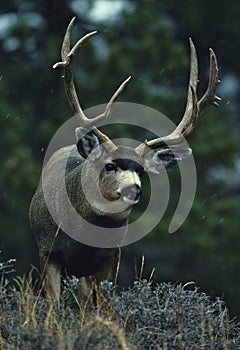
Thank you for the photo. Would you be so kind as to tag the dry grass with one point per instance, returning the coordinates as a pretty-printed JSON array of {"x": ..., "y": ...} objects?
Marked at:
[{"x": 142, "y": 317}]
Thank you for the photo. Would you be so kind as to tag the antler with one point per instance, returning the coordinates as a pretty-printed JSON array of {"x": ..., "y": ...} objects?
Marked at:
[
  {"x": 68, "y": 60},
  {"x": 193, "y": 106}
]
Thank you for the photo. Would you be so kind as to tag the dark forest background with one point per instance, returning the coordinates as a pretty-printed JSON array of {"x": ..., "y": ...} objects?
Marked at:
[{"x": 149, "y": 40}]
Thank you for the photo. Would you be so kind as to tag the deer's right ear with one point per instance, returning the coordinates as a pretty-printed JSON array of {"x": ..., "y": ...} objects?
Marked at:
[
  {"x": 165, "y": 159},
  {"x": 88, "y": 143}
]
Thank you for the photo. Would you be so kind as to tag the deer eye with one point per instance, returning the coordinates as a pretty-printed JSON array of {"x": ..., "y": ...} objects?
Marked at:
[{"x": 110, "y": 167}]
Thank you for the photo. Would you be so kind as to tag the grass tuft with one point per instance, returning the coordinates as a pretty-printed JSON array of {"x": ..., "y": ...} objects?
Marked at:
[{"x": 164, "y": 316}]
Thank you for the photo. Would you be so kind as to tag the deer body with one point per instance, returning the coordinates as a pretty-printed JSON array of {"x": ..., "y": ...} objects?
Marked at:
[
  {"x": 59, "y": 252},
  {"x": 112, "y": 176}
]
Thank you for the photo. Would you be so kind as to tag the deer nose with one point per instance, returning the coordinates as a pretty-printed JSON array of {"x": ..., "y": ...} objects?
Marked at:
[{"x": 132, "y": 193}]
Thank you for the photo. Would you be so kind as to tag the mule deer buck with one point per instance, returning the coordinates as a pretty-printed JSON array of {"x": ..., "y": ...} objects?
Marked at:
[{"x": 120, "y": 169}]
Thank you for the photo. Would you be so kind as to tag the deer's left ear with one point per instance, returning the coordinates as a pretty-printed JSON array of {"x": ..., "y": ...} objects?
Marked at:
[
  {"x": 165, "y": 159},
  {"x": 88, "y": 143}
]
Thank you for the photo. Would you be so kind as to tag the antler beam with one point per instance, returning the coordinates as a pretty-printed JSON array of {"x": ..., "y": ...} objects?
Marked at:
[
  {"x": 193, "y": 106},
  {"x": 68, "y": 60}
]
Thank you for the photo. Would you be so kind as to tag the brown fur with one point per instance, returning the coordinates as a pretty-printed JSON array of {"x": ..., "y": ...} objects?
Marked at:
[{"x": 58, "y": 252}]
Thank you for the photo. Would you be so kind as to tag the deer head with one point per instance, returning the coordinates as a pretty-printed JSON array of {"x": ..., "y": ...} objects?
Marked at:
[{"x": 123, "y": 166}]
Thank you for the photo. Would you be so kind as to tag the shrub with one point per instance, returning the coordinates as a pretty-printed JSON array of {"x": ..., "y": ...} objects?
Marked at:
[{"x": 164, "y": 316}]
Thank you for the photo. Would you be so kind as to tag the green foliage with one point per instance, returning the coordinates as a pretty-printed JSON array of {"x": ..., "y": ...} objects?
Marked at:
[{"x": 149, "y": 40}]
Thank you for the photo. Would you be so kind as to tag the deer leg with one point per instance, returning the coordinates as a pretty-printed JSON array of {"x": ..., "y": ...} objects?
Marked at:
[
  {"x": 51, "y": 279},
  {"x": 108, "y": 270},
  {"x": 88, "y": 285},
  {"x": 86, "y": 289}
]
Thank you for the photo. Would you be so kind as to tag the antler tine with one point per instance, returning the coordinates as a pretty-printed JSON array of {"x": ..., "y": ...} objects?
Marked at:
[
  {"x": 193, "y": 107},
  {"x": 98, "y": 119},
  {"x": 209, "y": 97},
  {"x": 68, "y": 60},
  {"x": 191, "y": 111},
  {"x": 189, "y": 118},
  {"x": 111, "y": 101},
  {"x": 66, "y": 40}
]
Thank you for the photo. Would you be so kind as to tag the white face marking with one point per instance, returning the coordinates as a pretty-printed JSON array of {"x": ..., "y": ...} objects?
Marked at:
[
  {"x": 115, "y": 182},
  {"x": 129, "y": 201},
  {"x": 129, "y": 178}
]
